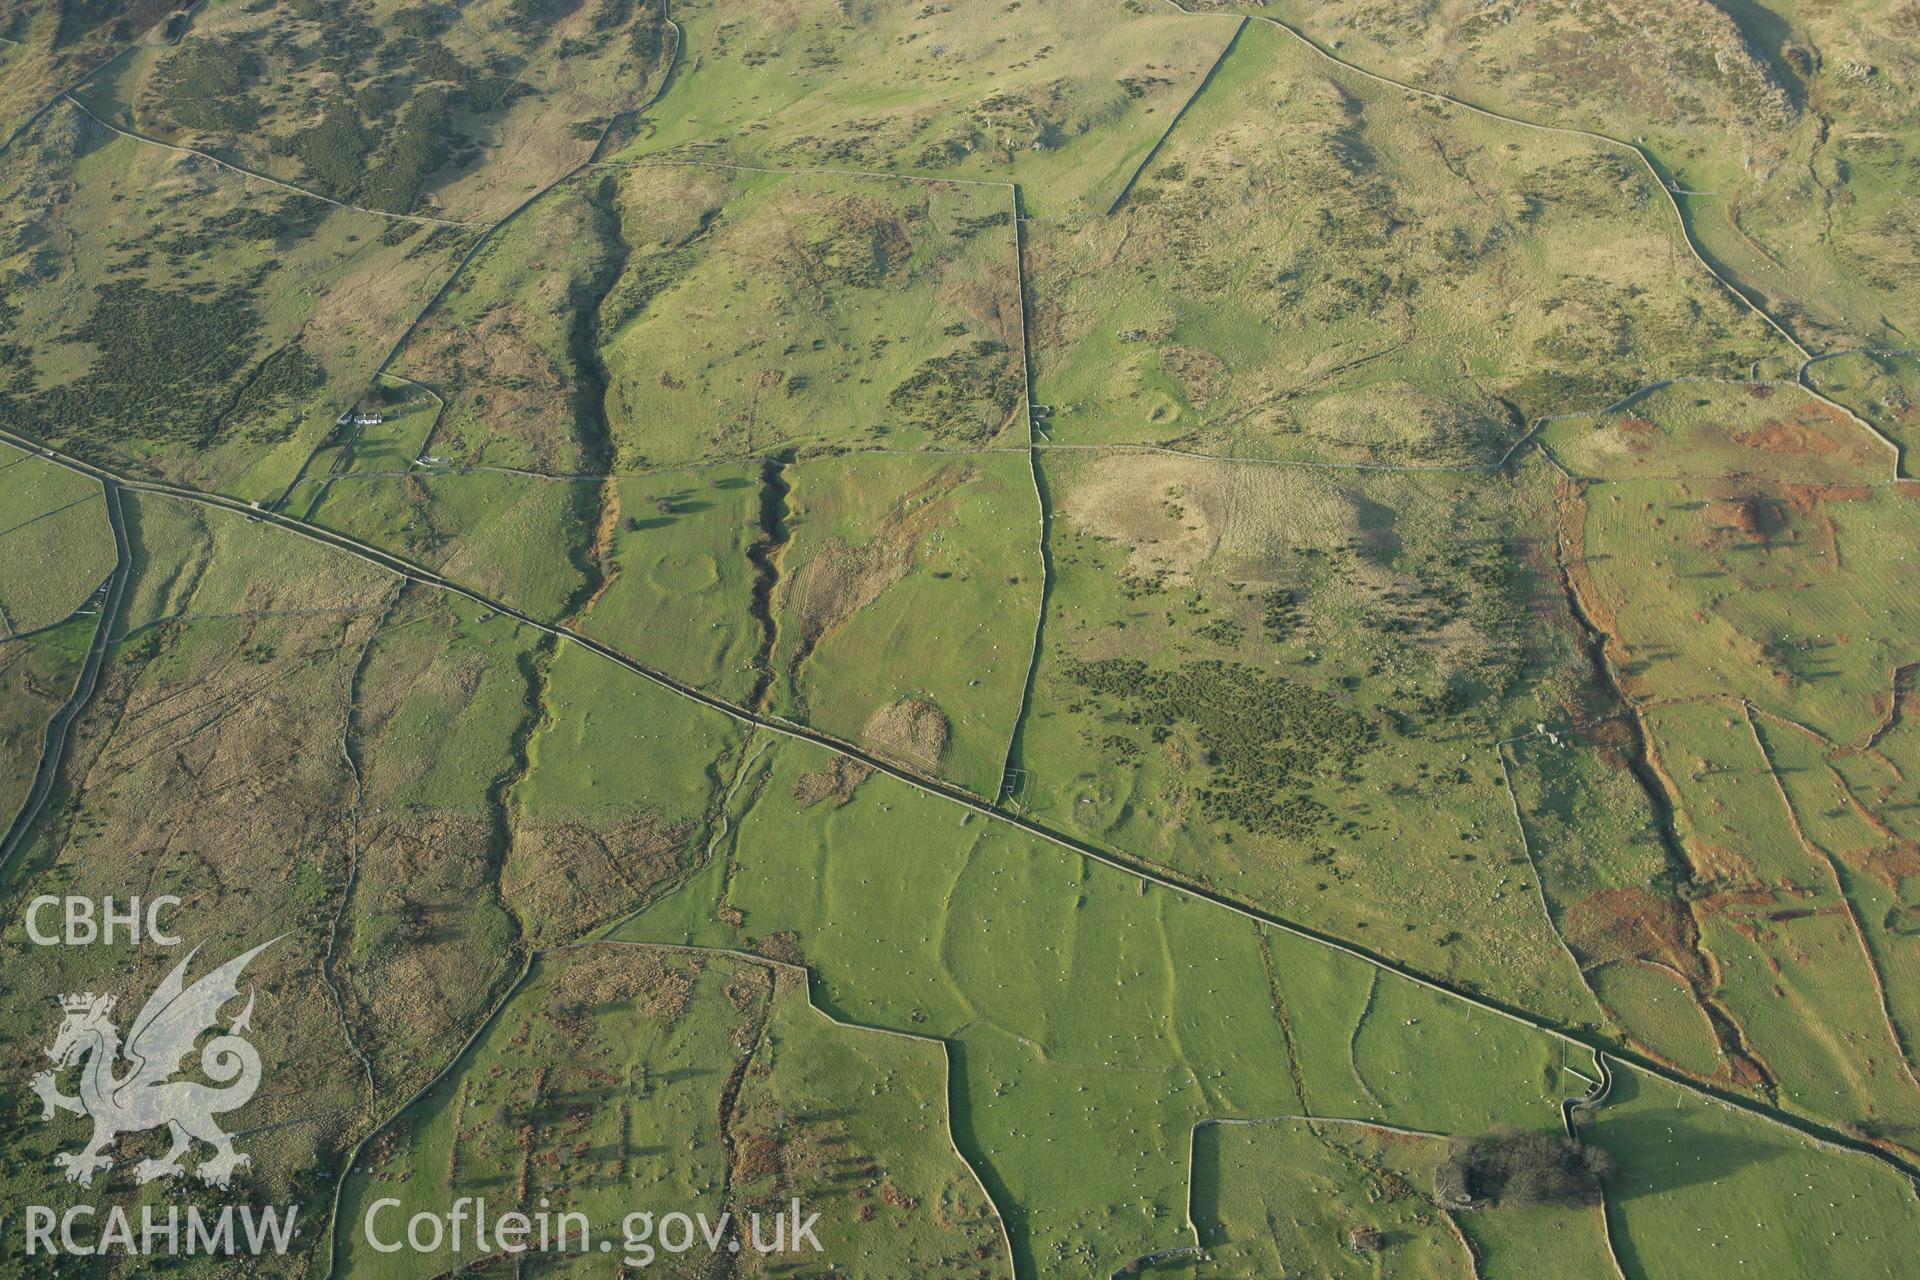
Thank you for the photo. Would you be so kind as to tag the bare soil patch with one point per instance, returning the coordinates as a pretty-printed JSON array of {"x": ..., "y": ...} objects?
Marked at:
[{"x": 912, "y": 727}]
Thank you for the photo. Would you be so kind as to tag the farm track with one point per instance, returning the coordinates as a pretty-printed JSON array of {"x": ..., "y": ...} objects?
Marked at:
[{"x": 1810, "y": 1129}]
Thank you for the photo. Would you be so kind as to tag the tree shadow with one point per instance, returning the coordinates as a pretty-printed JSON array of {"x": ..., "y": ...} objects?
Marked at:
[{"x": 1672, "y": 1148}]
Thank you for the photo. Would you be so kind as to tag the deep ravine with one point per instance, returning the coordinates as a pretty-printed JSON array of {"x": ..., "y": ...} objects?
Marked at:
[{"x": 768, "y": 549}]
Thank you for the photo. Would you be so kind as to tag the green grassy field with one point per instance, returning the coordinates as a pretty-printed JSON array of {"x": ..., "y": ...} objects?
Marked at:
[
  {"x": 678, "y": 582},
  {"x": 49, "y": 47},
  {"x": 240, "y": 823},
  {"x": 1146, "y": 1012},
  {"x": 700, "y": 312},
  {"x": 1783, "y": 594},
  {"x": 1793, "y": 969},
  {"x": 1759, "y": 113},
  {"x": 508, "y": 346},
  {"x": 1028, "y": 1038},
  {"x": 623, "y": 1080},
  {"x": 655, "y": 564},
  {"x": 1757, "y": 432},
  {"x": 1659, "y": 1009},
  {"x": 1848, "y": 806},
  {"x": 1609, "y": 883},
  {"x": 391, "y": 447},
  {"x": 599, "y": 1086},
  {"x": 1485, "y": 544},
  {"x": 36, "y": 678},
  {"x": 1277, "y": 1198},
  {"x": 1882, "y": 389},
  {"x": 1288, "y": 1196},
  {"x": 193, "y": 562},
  {"x": 1065, "y": 97},
  {"x": 425, "y": 938},
  {"x": 56, "y": 546},
  {"x": 903, "y": 619},
  {"x": 761, "y": 312},
  {"x": 1285, "y": 682},
  {"x": 1730, "y": 814},
  {"x": 1315, "y": 266},
  {"x": 616, "y": 798},
  {"x": 1703, "y": 1192},
  {"x": 497, "y": 532},
  {"x": 458, "y": 112},
  {"x": 175, "y": 316},
  {"x": 860, "y": 1118}
]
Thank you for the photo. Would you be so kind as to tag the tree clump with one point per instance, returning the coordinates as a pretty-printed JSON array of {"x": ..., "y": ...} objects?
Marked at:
[{"x": 1516, "y": 1169}]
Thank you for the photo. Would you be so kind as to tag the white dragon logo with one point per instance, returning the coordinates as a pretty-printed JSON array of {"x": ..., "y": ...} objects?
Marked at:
[{"x": 146, "y": 1096}]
